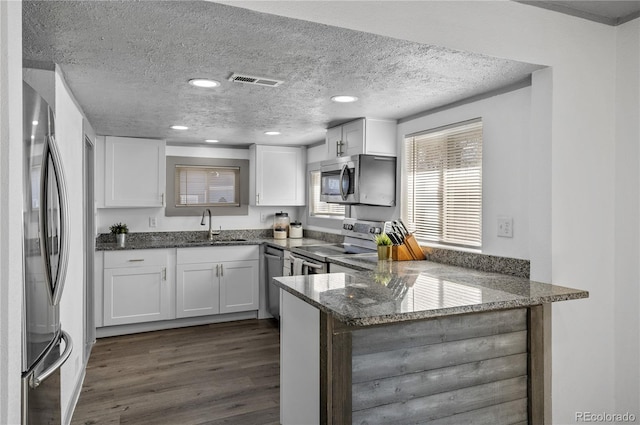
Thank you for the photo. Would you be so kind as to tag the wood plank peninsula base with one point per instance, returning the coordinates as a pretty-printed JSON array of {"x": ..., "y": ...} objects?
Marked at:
[{"x": 428, "y": 354}]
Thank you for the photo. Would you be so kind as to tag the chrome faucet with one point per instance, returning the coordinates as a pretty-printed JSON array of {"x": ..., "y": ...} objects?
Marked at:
[{"x": 211, "y": 233}]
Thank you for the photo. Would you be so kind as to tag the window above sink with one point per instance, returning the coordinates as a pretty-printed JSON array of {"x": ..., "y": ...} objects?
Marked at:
[{"x": 194, "y": 183}]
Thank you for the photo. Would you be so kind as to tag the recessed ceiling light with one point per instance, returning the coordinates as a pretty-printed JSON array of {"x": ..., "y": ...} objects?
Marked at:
[
  {"x": 212, "y": 141},
  {"x": 34, "y": 122},
  {"x": 344, "y": 98},
  {"x": 272, "y": 133},
  {"x": 204, "y": 83},
  {"x": 179, "y": 127}
]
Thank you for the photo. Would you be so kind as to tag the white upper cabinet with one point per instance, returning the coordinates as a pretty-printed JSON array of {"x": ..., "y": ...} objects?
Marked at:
[
  {"x": 135, "y": 172},
  {"x": 278, "y": 175},
  {"x": 363, "y": 136}
]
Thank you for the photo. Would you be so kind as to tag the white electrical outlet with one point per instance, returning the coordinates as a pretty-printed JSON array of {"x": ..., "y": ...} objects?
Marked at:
[
  {"x": 263, "y": 217},
  {"x": 505, "y": 227},
  {"x": 153, "y": 222}
]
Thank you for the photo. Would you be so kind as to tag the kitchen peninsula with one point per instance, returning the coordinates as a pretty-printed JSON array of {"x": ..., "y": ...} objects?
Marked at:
[{"x": 416, "y": 341}]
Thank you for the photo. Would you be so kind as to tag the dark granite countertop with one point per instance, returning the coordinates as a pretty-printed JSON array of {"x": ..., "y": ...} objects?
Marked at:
[
  {"x": 198, "y": 239},
  {"x": 396, "y": 291}
]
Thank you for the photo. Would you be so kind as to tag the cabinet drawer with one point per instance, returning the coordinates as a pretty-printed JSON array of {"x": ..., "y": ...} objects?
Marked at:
[
  {"x": 217, "y": 253},
  {"x": 135, "y": 258}
]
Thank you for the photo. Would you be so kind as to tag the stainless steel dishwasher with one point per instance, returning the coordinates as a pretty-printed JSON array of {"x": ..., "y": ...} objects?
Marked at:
[{"x": 274, "y": 260}]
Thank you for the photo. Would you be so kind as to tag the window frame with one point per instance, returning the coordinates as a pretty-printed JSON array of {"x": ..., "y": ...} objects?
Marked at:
[
  {"x": 195, "y": 210},
  {"x": 313, "y": 202},
  {"x": 442, "y": 196},
  {"x": 326, "y": 221},
  {"x": 235, "y": 188}
]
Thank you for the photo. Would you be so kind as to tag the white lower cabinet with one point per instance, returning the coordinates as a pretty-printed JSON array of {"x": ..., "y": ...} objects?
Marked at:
[
  {"x": 239, "y": 286},
  {"x": 197, "y": 290},
  {"x": 209, "y": 281},
  {"x": 138, "y": 287},
  {"x": 164, "y": 284}
]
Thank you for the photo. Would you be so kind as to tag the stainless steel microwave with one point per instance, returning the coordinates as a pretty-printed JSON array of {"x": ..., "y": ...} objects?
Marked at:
[{"x": 359, "y": 179}]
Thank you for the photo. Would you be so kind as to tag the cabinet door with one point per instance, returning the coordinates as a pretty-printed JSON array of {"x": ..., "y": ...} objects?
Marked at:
[
  {"x": 239, "y": 286},
  {"x": 135, "y": 172},
  {"x": 136, "y": 294},
  {"x": 280, "y": 176},
  {"x": 197, "y": 290},
  {"x": 353, "y": 138},
  {"x": 334, "y": 138}
]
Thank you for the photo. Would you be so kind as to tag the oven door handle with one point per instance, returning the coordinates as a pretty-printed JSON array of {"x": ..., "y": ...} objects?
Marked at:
[
  {"x": 306, "y": 263},
  {"x": 311, "y": 265}
]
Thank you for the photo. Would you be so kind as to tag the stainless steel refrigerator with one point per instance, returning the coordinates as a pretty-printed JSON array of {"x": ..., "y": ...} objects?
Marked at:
[{"x": 45, "y": 254}]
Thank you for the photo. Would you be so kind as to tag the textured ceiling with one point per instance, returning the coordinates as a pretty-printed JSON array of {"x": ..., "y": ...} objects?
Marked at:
[{"x": 128, "y": 63}]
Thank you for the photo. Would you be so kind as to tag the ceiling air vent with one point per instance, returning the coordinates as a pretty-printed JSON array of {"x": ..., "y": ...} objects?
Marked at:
[{"x": 251, "y": 79}]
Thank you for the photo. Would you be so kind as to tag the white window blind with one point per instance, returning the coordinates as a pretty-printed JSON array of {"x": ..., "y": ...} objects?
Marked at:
[
  {"x": 316, "y": 206},
  {"x": 207, "y": 186},
  {"x": 443, "y": 176}
]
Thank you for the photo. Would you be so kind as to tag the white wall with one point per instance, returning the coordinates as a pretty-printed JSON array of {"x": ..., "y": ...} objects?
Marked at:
[
  {"x": 505, "y": 173},
  {"x": 137, "y": 219},
  {"x": 70, "y": 138},
  {"x": 10, "y": 210},
  {"x": 627, "y": 222},
  {"x": 582, "y": 55}
]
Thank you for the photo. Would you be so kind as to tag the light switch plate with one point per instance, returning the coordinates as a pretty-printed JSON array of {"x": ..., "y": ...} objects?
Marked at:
[{"x": 505, "y": 227}]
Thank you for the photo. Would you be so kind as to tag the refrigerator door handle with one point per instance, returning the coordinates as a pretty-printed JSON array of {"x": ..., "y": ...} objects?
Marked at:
[
  {"x": 35, "y": 381},
  {"x": 56, "y": 284}
]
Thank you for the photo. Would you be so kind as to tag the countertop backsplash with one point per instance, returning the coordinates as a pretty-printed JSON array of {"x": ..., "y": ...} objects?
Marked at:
[{"x": 476, "y": 261}]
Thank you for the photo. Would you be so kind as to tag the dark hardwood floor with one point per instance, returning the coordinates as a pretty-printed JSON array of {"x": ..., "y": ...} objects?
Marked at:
[{"x": 225, "y": 373}]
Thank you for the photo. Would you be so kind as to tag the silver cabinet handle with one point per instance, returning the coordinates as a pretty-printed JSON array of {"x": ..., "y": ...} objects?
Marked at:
[
  {"x": 221, "y": 269},
  {"x": 56, "y": 284},
  {"x": 339, "y": 145},
  {"x": 133, "y": 260},
  {"x": 257, "y": 199},
  {"x": 217, "y": 270},
  {"x": 35, "y": 381},
  {"x": 164, "y": 273},
  {"x": 162, "y": 199}
]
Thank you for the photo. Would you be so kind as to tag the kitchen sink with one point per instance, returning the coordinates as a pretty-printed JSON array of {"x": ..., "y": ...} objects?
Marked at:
[{"x": 215, "y": 241}]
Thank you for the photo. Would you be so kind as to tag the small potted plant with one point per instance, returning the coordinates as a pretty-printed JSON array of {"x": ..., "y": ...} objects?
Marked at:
[
  {"x": 120, "y": 230},
  {"x": 384, "y": 246}
]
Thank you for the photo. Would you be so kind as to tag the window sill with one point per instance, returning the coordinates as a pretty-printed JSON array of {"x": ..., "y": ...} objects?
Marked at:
[{"x": 449, "y": 247}]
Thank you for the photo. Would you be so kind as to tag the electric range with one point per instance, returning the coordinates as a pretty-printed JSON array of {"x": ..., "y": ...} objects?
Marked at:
[{"x": 358, "y": 241}]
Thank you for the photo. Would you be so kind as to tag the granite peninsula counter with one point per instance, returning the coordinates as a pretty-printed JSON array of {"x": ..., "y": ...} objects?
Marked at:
[{"x": 414, "y": 342}]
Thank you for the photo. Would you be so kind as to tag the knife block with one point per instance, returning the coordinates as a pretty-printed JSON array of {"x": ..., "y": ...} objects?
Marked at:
[
  {"x": 401, "y": 253},
  {"x": 409, "y": 250},
  {"x": 414, "y": 247}
]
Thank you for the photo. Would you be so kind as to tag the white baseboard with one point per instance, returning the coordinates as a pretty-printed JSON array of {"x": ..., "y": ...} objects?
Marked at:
[{"x": 108, "y": 331}]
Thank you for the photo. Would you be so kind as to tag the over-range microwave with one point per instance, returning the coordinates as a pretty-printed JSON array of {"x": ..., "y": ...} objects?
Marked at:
[{"x": 359, "y": 179}]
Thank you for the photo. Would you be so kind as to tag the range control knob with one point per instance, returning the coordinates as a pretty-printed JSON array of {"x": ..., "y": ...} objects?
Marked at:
[{"x": 347, "y": 226}]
